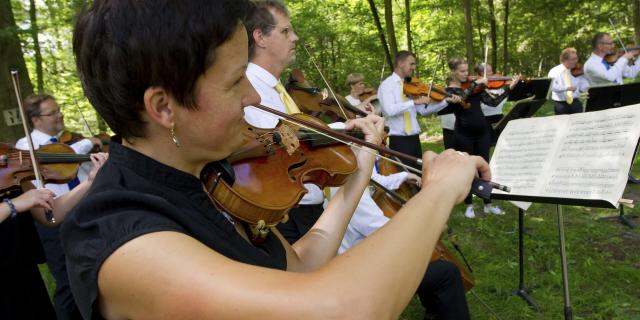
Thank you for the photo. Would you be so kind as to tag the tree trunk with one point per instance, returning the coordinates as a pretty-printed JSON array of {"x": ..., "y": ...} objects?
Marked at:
[
  {"x": 494, "y": 34},
  {"x": 636, "y": 19},
  {"x": 407, "y": 20},
  {"x": 36, "y": 45},
  {"x": 383, "y": 39},
  {"x": 505, "y": 39},
  {"x": 388, "y": 23},
  {"x": 10, "y": 58},
  {"x": 468, "y": 31}
]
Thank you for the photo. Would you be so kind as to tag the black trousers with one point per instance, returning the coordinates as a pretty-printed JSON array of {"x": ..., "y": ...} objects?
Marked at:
[
  {"x": 301, "y": 219},
  {"x": 63, "y": 301},
  {"x": 562, "y": 107},
  {"x": 477, "y": 145},
  {"x": 448, "y": 138},
  {"x": 441, "y": 292},
  {"x": 409, "y": 145},
  {"x": 492, "y": 120}
]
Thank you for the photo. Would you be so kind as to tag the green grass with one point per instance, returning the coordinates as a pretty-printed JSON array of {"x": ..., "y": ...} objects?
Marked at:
[{"x": 603, "y": 259}]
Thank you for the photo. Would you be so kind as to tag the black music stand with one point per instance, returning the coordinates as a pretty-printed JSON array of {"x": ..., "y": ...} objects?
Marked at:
[
  {"x": 524, "y": 292},
  {"x": 614, "y": 96},
  {"x": 536, "y": 88},
  {"x": 524, "y": 108}
]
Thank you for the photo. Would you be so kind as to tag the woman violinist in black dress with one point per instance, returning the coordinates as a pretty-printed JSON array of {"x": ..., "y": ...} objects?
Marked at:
[{"x": 472, "y": 131}]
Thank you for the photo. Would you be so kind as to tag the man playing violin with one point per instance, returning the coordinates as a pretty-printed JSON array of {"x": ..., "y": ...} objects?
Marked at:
[
  {"x": 599, "y": 72},
  {"x": 47, "y": 121},
  {"x": 400, "y": 111},
  {"x": 565, "y": 87},
  {"x": 272, "y": 43},
  {"x": 355, "y": 81}
]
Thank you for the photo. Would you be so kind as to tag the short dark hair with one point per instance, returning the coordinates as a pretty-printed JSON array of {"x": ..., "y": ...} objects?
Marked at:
[
  {"x": 32, "y": 105},
  {"x": 262, "y": 19},
  {"x": 597, "y": 39},
  {"x": 402, "y": 55},
  {"x": 124, "y": 47}
]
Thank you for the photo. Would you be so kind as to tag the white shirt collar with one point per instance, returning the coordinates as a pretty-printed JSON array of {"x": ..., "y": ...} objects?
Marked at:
[
  {"x": 262, "y": 74},
  {"x": 39, "y": 136},
  {"x": 396, "y": 77}
]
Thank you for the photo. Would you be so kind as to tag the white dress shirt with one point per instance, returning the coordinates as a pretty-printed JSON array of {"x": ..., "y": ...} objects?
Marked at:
[
  {"x": 448, "y": 121},
  {"x": 40, "y": 138},
  {"x": 597, "y": 74},
  {"x": 354, "y": 101},
  {"x": 489, "y": 110},
  {"x": 393, "y": 108},
  {"x": 264, "y": 83},
  {"x": 368, "y": 217},
  {"x": 559, "y": 83}
]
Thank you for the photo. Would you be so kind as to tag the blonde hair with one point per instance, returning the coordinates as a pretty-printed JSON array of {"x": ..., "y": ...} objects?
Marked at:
[{"x": 354, "y": 78}]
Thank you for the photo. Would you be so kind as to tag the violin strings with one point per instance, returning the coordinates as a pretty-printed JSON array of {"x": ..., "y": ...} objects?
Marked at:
[{"x": 410, "y": 168}]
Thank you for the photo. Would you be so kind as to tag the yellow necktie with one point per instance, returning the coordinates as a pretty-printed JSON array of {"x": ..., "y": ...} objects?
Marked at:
[
  {"x": 408, "y": 129},
  {"x": 289, "y": 104},
  {"x": 567, "y": 82}
]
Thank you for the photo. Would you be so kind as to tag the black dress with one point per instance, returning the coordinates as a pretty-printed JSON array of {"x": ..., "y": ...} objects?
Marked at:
[
  {"x": 133, "y": 195},
  {"x": 23, "y": 294}
]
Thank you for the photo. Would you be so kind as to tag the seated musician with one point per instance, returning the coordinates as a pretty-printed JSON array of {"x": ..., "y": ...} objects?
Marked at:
[
  {"x": 47, "y": 120},
  {"x": 440, "y": 291},
  {"x": 599, "y": 72},
  {"x": 148, "y": 242},
  {"x": 472, "y": 132},
  {"x": 355, "y": 81},
  {"x": 400, "y": 111},
  {"x": 565, "y": 87}
]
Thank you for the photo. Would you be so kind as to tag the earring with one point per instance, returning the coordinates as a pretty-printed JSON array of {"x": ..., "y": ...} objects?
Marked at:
[{"x": 173, "y": 136}]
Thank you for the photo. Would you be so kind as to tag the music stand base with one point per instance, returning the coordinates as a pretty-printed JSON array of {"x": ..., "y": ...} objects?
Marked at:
[
  {"x": 633, "y": 180},
  {"x": 624, "y": 220},
  {"x": 524, "y": 294}
]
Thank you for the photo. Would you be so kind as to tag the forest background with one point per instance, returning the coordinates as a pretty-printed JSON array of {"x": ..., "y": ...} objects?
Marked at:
[{"x": 345, "y": 36}]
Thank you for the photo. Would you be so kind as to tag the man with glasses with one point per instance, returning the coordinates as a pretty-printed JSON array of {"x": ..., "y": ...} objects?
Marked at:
[
  {"x": 565, "y": 87},
  {"x": 598, "y": 71},
  {"x": 47, "y": 122}
]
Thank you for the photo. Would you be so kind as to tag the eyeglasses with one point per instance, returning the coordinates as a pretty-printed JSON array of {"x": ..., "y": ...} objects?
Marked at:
[{"x": 54, "y": 113}]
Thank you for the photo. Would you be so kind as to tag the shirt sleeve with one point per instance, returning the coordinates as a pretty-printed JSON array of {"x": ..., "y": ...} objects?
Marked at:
[
  {"x": 83, "y": 146},
  {"x": 391, "y": 101},
  {"x": 431, "y": 107},
  {"x": 557, "y": 83},
  {"x": 392, "y": 181},
  {"x": 598, "y": 71}
]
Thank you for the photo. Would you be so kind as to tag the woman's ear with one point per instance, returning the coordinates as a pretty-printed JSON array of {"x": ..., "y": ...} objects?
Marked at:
[{"x": 159, "y": 107}]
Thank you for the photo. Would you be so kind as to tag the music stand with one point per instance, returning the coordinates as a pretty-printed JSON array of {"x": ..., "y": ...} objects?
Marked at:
[
  {"x": 536, "y": 88},
  {"x": 615, "y": 96},
  {"x": 524, "y": 108}
]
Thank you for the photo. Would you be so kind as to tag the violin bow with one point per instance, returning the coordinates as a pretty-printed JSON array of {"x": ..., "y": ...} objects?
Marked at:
[
  {"x": 86, "y": 124},
  {"x": 384, "y": 64},
  {"x": 325, "y": 81},
  {"x": 36, "y": 168},
  {"x": 615, "y": 31},
  {"x": 486, "y": 54}
]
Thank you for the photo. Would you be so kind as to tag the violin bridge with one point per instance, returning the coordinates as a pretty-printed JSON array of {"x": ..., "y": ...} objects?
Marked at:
[{"x": 288, "y": 138}]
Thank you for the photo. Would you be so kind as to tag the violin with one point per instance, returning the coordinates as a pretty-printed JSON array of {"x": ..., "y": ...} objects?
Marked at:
[
  {"x": 392, "y": 201},
  {"x": 311, "y": 101},
  {"x": 577, "y": 70},
  {"x": 69, "y": 137},
  {"x": 495, "y": 81},
  {"x": 58, "y": 163},
  {"x": 262, "y": 180},
  {"x": 613, "y": 57},
  {"x": 413, "y": 87},
  {"x": 367, "y": 93}
]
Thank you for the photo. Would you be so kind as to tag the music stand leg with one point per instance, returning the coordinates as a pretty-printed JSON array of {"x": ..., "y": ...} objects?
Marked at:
[
  {"x": 522, "y": 291},
  {"x": 625, "y": 220},
  {"x": 568, "y": 314},
  {"x": 633, "y": 179}
]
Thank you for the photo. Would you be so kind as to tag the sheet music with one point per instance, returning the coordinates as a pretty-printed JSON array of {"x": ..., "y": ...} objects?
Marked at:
[{"x": 579, "y": 156}]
